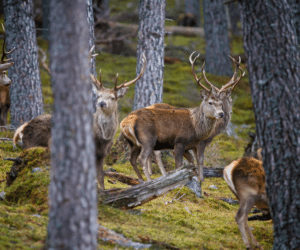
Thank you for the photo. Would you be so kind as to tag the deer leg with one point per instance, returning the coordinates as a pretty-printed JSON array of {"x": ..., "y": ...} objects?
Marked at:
[
  {"x": 246, "y": 203},
  {"x": 134, "y": 153},
  {"x": 149, "y": 166},
  {"x": 159, "y": 162},
  {"x": 100, "y": 172},
  {"x": 145, "y": 155},
  {"x": 199, "y": 152},
  {"x": 189, "y": 157},
  {"x": 178, "y": 154}
]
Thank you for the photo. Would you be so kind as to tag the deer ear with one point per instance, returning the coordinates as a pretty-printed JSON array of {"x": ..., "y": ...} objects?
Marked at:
[
  {"x": 227, "y": 93},
  {"x": 203, "y": 94},
  {"x": 121, "y": 92}
]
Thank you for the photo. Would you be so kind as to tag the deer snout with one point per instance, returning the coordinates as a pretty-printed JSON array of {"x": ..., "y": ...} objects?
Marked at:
[
  {"x": 221, "y": 114},
  {"x": 102, "y": 104}
]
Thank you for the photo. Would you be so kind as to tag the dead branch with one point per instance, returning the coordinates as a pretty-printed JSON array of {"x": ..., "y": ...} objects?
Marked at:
[
  {"x": 147, "y": 191},
  {"x": 43, "y": 60},
  {"x": 146, "y": 239},
  {"x": 5, "y": 139},
  {"x": 122, "y": 178},
  {"x": 17, "y": 160}
]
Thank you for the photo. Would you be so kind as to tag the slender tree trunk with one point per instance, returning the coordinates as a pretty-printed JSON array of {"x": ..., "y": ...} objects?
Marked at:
[
  {"x": 274, "y": 65},
  {"x": 46, "y": 21},
  {"x": 72, "y": 191},
  {"x": 216, "y": 37},
  {"x": 193, "y": 7},
  {"x": 148, "y": 90},
  {"x": 234, "y": 14},
  {"x": 25, "y": 92}
]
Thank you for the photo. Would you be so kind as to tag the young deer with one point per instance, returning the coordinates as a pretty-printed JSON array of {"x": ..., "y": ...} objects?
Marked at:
[
  {"x": 246, "y": 179},
  {"x": 166, "y": 127},
  {"x": 221, "y": 123},
  {"x": 4, "y": 83},
  {"x": 106, "y": 120}
]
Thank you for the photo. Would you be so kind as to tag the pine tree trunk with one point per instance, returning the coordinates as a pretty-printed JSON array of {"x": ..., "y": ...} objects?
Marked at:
[
  {"x": 216, "y": 38},
  {"x": 234, "y": 14},
  {"x": 149, "y": 89},
  {"x": 193, "y": 7},
  {"x": 25, "y": 92},
  {"x": 46, "y": 21},
  {"x": 274, "y": 65},
  {"x": 72, "y": 191}
]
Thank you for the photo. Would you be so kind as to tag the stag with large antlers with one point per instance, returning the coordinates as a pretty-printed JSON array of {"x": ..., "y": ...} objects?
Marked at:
[
  {"x": 4, "y": 83},
  {"x": 180, "y": 129},
  {"x": 221, "y": 125},
  {"x": 106, "y": 119}
]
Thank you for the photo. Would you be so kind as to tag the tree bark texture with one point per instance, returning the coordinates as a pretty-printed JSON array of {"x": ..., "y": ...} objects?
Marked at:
[
  {"x": 72, "y": 191},
  {"x": 234, "y": 14},
  {"x": 46, "y": 20},
  {"x": 193, "y": 7},
  {"x": 90, "y": 19},
  {"x": 274, "y": 66},
  {"x": 25, "y": 92},
  {"x": 149, "y": 89},
  {"x": 216, "y": 37}
]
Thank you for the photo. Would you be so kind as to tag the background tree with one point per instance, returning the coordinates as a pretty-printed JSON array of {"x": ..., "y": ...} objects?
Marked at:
[
  {"x": 216, "y": 37},
  {"x": 46, "y": 21},
  {"x": 274, "y": 65},
  {"x": 25, "y": 90},
  {"x": 72, "y": 191},
  {"x": 234, "y": 14},
  {"x": 192, "y": 7},
  {"x": 148, "y": 90}
]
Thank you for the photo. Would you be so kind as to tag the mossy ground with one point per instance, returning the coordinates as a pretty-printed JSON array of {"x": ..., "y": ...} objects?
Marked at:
[{"x": 190, "y": 222}]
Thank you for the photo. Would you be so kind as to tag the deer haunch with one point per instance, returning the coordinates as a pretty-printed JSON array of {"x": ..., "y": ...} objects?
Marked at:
[{"x": 246, "y": 179}]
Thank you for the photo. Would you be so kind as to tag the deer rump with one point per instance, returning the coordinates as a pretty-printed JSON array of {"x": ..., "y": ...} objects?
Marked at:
[{"x": 159, "y": 130}]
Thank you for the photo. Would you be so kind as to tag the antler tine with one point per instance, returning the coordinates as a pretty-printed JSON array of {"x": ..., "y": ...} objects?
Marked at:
[
  {"x": 193, "y": 70},
  {"x": 233, "y": 81},
  {"x": 116, "y": 80},
  {"x": 211, "y": 85},
  {"x": 126, "y": 84},
  {"x": 96, "y": 83},
  {"x": 91, "y": 52},
  {"x": 4, "y": 53}
]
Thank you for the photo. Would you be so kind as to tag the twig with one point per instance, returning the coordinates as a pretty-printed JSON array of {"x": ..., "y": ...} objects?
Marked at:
[
  {"x": 10, "y": 127},
  {"x": 43, "y": 60},
  {"x": 174, "y": 198},
  {"x": 17, "y": 160},
  {"x": 5, "y": 139}
]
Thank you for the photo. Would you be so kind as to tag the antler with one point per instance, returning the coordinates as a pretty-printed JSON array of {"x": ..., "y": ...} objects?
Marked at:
[
  {"x": 4, "y": 53},
  {"x": 193, "y": 70},
  {"x": 97, "y": 84},
  {"x": 126, "y": 84},
  {"x": 233, "y": 81}
]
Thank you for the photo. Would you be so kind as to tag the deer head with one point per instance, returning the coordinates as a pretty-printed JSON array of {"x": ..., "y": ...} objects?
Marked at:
[
  {"x": 5, "y": 64},
  {"x": 107, "y": 98}
]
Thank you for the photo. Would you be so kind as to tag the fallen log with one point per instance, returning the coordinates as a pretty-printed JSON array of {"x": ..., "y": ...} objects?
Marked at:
[
  {"x": 147, "y": 191},
  {"x": 122, "y": 178}
]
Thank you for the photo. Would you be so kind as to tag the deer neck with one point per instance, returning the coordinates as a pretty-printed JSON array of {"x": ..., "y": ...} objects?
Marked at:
[
  {"x": 204, "y": 126},
  {"x": 105, "y": 125}
]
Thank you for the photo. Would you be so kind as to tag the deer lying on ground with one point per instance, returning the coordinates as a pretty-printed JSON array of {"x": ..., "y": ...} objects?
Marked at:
[
  {"x": 162, "y": 126},
  {"x": 37, "y": 132},
  {"x": 246, "y": 179},
  {"x": 4, "y": 83}
]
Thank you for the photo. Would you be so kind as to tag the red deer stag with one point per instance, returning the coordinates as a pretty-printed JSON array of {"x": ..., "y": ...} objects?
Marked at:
[
  {"x": 166, "y": 127},
  {"x": 37, "y": 132},
  {"x": 4, "y": 83},
  {"x": 221, "y": 123},
  {"x": 246, "y": 179},
  {"x": 106, "y": 120}
]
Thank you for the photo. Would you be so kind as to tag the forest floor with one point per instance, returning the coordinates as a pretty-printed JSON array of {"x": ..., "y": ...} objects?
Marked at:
[{"x": 188, "y": 223}]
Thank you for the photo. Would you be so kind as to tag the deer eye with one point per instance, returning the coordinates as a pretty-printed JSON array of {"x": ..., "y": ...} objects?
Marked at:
[{"x": 112, "y": 98}]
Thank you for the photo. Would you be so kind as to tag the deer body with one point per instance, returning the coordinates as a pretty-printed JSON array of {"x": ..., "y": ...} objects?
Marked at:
[
  {"x": 246, "y": 179},
  {"x": 178, "y": 129}
]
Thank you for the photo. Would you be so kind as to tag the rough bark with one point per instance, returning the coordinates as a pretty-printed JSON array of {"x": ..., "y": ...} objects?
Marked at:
[
  {"x": 216, "y": 37},
  {"x": 25, "y": 92},
  {"x": 193, "y": 7},
  {"x": 72, "y": 191},
  {"x": 148, "y": 90},
  {"x": 147, "y": 191},
  {"x": 234, "y": 14},
  {"x": 46, "y": 21},
  {"x": 273, "y": 63}
]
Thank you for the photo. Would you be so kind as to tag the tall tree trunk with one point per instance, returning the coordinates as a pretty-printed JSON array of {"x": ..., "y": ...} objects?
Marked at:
[
  {"x": 25, "y": 92},
  {"x": 234, "y": 14},
  {"x": 72, "y": 191},
  {"x": 90, "y": 19},
  {"x": 193, "y": 7},
  {"x": 274, "y": 65},
  {"x": 216, "y": 37},
  {"x": 46, "y": 21},
  {"x": 149, "y": 89}
]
